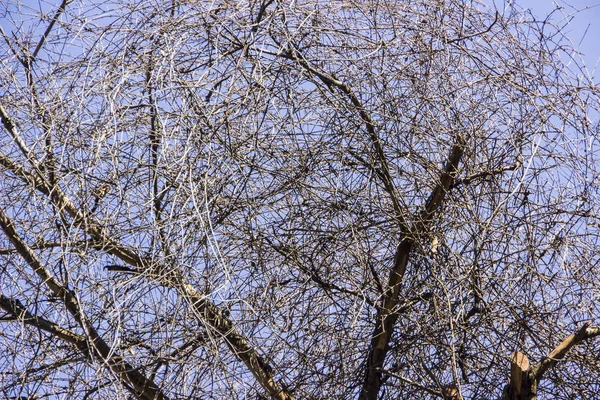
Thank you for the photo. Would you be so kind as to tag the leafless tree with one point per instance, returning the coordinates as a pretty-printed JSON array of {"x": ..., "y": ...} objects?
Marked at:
[{"x": 296, "y": 200}]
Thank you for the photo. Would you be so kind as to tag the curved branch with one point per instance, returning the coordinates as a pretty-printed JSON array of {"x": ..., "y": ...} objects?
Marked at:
[
  {"x": 130, "y": 377},
  {"x": 385, "y": 175},
  {"x": 560, "y": 351},
  {"x": 525, "y": 379},
  {"x": 205, "y": 310}
]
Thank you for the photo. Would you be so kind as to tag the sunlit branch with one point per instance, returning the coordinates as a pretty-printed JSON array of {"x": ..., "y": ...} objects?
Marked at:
[{"x": 131, "y": 378}]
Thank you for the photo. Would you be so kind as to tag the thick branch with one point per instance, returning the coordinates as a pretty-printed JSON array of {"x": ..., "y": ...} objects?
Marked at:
[
  {"x": 387, "y": 314},
  {"x": 585, "y": 332},
  {"x": 164, "y": 275},
  {"x": 131, "y": 378},
  {"x": 20, "y": 313},
  {"x": 525, "y": 380}
]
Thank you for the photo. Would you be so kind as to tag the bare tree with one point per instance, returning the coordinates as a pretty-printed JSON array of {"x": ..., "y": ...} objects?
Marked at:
[{"x": 296, "y": 200}]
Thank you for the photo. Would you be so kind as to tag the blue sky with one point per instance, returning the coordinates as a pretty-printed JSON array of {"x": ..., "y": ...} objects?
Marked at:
[{"x": 582, "y": 16}]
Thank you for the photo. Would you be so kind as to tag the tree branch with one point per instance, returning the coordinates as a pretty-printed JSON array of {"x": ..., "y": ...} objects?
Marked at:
[
  {"x": 524, "y": 379},
  {"x": 20, "y": 313},
  {"x": 560, "y": 351},
  {"x": 165, "y": 275},
  {"x": 387, "y": 314},
  {"x": 484, "y": 174},
  {"x": 129, "y": 376},
  {"x": 60, "y": 10},
  {"x": 410, "y": 382},
  {"x": 383, "y": 173}
]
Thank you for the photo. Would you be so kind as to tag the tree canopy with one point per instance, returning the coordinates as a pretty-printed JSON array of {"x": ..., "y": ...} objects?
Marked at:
[{"x": 296, "y": 200}]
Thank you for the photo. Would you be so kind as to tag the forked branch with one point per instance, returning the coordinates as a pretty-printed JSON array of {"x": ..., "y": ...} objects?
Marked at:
[
  {"x": 387, "y": 313},
  {"x": 21, "y": 314},
  {"x": 525, "y": 379},
  {"x": 204, "y": 308},
  {"x": 130, "y": 377}
]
